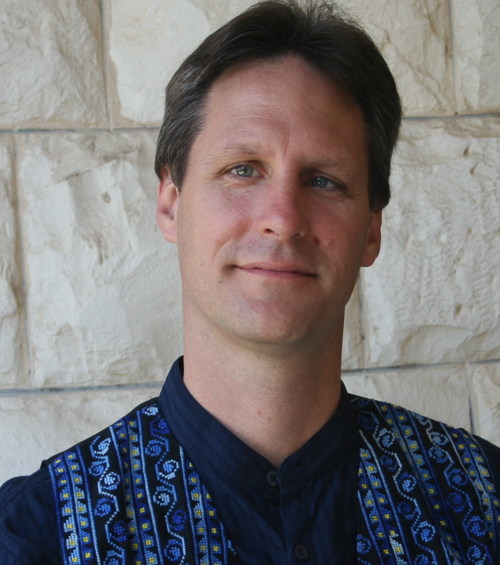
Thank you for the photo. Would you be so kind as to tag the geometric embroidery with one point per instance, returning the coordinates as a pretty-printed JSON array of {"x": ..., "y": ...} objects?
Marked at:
[
  {"x": 130, "y": 495},
  {"x": 425, "y": 491}
]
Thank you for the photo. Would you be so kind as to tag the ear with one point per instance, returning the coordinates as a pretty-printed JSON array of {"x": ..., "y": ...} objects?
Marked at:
[
  {"x": 372, "y": 246},
  {"x": 167, "y": 205}
]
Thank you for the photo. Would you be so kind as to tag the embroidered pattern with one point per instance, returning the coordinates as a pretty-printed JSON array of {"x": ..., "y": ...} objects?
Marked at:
[
  {"x": 130, "y": 496},
  {"x": 168, "y": 516},
  {"x": 419, "y": 502}
]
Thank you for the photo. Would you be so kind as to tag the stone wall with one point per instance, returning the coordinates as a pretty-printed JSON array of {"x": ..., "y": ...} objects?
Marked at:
[{"x": 89, "y": 292}]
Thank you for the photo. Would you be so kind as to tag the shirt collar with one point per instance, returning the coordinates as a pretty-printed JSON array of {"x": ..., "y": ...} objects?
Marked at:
[{"x": 219, "y": 455}]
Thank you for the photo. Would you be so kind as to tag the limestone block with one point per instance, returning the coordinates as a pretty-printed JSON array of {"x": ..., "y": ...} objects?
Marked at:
[
  {"x": 150, "y": 38},
  {"x": 485, "y": 394},
  {"x": 11, "y": 360},
  {"x": 37, "y": 426},
  {"x": 352, "y": 345},
  {"x": 414, "y": 38},
  {"x": 434, "y": 293},
  {"x": 148, "y": 41},
  {"x": 440, "y": 393},
  {"x": 476, "y": 29},
  {"x": 220, "y": 11},
  {"x": 51, "y": 64},
  {"x": 103, "y": 292}
]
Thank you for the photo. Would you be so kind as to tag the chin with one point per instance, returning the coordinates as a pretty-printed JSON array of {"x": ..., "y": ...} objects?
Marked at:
[{"x": 275, "y": 338}]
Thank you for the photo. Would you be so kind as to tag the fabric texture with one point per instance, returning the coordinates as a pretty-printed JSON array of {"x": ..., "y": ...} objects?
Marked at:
[
  {"x": 304, "y": 508},
  {"x": 426, "y": 491},
  {"x": 131, "y": 496},
  {"x": 422, "y": 493},
  {"x": 425, "y": 495}
]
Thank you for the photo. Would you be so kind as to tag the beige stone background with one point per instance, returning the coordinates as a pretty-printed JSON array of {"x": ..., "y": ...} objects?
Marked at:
[{"x": 89, "y": 292}]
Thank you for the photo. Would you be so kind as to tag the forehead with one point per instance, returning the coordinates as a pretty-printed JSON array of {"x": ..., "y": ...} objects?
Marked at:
[
  {"x": 277, "y": 102},
  {"x": 277, "y": 78}
]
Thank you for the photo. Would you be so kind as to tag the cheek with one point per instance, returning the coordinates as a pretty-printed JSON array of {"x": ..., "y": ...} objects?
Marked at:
[
  {"x": 204, "y": 229},
  {"x": 230, "y": 217},
  {"x": 343, "y": 237},
  {"x": 234, "y": 207}
]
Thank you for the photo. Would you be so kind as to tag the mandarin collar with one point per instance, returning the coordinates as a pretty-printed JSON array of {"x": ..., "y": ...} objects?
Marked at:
[{"x": 219, "y": 455}]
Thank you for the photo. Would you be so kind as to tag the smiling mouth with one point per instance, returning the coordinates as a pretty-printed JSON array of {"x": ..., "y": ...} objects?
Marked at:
[{"x": 277, "y": 271}]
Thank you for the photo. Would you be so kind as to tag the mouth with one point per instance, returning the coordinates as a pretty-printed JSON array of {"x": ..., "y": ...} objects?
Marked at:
[{"x": 276, "y": 270}]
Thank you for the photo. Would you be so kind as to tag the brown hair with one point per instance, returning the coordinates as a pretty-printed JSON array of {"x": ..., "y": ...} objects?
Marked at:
[{"x": 319, "y": 33}]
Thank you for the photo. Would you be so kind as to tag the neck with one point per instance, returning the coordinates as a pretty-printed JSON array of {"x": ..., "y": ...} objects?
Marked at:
[{"x": 273, "y": 401}]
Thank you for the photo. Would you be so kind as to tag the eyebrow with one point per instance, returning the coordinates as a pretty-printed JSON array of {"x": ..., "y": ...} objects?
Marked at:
[
  {"x": 233, "y": 150},
  {"x": 256, "y": 150}
]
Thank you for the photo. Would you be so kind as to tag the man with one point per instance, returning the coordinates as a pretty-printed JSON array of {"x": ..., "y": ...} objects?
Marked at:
[{"x": 273, "y": 160}]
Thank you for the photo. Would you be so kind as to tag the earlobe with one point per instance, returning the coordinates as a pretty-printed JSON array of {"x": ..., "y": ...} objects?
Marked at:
[
  {"x": 167, "y": 204},
  {"x": 373, "y": 238}
]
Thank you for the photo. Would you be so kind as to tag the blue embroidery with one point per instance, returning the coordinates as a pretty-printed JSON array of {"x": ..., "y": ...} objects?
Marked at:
[
  {"x": 74, "y": 520},
  {"x": 412, "y": 482},
  {"x": 130, "y": 495},
  {"x": 168, "y": 516}
]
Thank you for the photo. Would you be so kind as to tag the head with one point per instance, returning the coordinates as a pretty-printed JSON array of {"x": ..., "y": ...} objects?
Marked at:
[{"x": 320, "y": 34}]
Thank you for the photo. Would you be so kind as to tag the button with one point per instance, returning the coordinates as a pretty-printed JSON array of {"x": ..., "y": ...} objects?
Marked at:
[
  {"x": 301, "y": 552},
  {"x": 272, "y": 478}
]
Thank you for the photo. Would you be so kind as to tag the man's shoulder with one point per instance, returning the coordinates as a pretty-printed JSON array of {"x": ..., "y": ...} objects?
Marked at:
[
  {"x": 106, "y": 453},
  {"x": 370, "y": 411},
  {"x": 29, "y": 504},
  {"x": 381, "y": 419},
  {"x": 424, "y": 441},
  {"x": 424, "y": 482},
  {"x": 113, "y": 433},
  {"x": 27, "y": 520},
  {"x": 131, "y": 488}
]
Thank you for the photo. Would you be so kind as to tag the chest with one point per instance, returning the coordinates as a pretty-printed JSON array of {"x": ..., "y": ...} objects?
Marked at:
[{"x": 130, "y": 495}]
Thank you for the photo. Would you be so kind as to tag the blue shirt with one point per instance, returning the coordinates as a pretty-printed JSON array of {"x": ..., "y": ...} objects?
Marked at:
[
  {"x": 375, "y": 483},
  {"x": 302, "y": 513}
]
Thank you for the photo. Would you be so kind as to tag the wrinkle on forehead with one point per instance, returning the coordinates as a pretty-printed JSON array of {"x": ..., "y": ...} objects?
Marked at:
[
  {"x": 241, "y": 90},
  {"x": 283, "y": 106},
  {"x": 237, "y": 78}
]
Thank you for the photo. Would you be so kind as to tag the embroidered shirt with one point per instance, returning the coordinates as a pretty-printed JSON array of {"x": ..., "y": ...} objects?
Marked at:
[
  {"x": 300, "y": 514},
  {"x": 425, "y": 493}
]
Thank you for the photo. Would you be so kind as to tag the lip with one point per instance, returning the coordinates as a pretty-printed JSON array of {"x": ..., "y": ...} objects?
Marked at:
[{"x": 277, "y": 270}]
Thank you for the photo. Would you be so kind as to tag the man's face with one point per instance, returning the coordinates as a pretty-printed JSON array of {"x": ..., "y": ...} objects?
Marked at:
[{"x": 273, "y": 219}]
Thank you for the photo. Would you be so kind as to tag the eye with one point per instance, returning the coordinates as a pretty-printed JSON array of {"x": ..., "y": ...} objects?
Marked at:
[
  {"x": 324, "y": 183},
  {"x": 243, "y": 170}
]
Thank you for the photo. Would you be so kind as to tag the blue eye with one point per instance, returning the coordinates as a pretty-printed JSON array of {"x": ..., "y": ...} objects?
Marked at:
[
  {"x": 322, "y": 182},
  {"x": 243, "y": 171}
]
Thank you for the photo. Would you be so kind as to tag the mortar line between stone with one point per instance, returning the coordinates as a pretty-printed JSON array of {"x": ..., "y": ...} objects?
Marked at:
[
  {"x": 20, "y": 261},
  {"x": 10, "y": 392},
  {"x": 470, "y": 400},
  {"x": 103, "y": 28},
  {"x": 154, "y": 128},
  {"x": 42, "y": 391},
  {"x": 451, "y": 57},
  {"x": 449, "y": 117},
  {"x": 82, "y": 130},
  {"x": 360, "y": 297},
  {"x": 412, "y": 366}
]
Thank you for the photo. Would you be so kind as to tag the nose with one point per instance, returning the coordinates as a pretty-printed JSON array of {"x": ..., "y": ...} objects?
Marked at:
[{"x": 282, "y": 214}]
